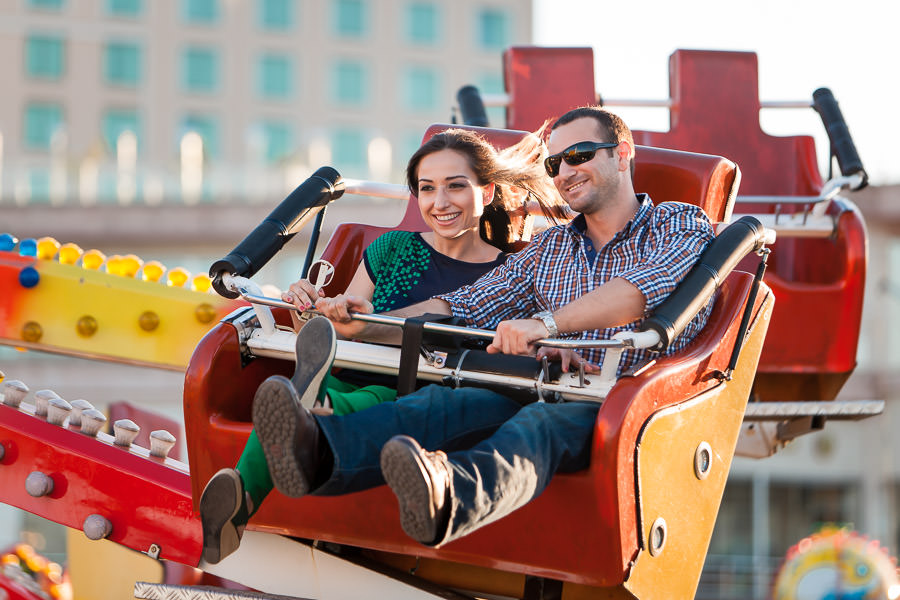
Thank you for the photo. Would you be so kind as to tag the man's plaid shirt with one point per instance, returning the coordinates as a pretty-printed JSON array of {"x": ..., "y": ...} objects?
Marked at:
[{"x": 654, "y": 252}]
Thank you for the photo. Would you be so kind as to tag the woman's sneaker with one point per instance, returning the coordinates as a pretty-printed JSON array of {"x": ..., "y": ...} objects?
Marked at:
[{"x": 223, "y": 514}]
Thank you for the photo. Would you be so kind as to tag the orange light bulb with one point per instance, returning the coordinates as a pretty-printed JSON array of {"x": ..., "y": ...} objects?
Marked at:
[
  {"x": 69, "y": 253},
  {"x": 93, "y": 259},
  {"x": 178, "y": 277},
  {"x": 153, "y": 271},
  {"x": 47, "y": 247},
  {"x": 201, "y": 282}
]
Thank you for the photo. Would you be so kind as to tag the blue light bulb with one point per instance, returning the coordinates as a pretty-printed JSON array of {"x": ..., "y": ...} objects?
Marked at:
[
  {"x": 7, "y": 242},
  {"x": 28, "y": 247}
]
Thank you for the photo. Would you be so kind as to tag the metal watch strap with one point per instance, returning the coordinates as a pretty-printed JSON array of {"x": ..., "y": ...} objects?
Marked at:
[{"x": 546, "y": 317}]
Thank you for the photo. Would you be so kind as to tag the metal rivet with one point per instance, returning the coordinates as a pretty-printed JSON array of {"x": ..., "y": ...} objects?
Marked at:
[
  {"x": 14, "y": 391},
  {"x": 38, "y": 484},
  {"x": 57, "y": 411},
  {"x": 702, "y": 460},
  {"x": 161, "y": 442},
  {"x": 78, "y": 407},
  {"x": 125, "y": 431},
  {"x": 86, "y": 326},
  {"x": 205, "y": 313},
  {"x": 97, "y": 527},
  {"x": 148, "y": 321},
  {"x": 42, "y": 401},
  {"x": 32, "y": 331},
  {"x": 658, "y": 535},
  {"x": 91, "y": 421}
]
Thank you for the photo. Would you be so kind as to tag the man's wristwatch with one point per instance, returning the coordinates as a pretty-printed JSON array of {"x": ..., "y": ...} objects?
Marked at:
[{"x": 546, "y": 317}]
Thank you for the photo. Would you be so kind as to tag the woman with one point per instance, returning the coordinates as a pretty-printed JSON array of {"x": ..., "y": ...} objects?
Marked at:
[{"x": 465, "y": 191}]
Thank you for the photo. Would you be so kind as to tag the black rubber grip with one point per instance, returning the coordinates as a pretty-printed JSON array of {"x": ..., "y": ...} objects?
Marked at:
[
  {"x": 471, "y": 107},
  {"x": 842, "y": 145},
  {"x": 278, "y": 228},
  {"x": 718, "y": 259}
]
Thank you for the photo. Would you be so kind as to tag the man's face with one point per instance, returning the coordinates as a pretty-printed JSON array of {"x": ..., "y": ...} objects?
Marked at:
[{"x": 587, "y": 187}]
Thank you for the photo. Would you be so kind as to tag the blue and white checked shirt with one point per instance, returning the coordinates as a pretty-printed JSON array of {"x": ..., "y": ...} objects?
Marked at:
[{"x": 654, "y": 252}]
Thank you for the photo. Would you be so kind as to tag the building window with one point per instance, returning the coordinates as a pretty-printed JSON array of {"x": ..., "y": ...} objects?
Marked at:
[
  {"x": 421, "y": 88},
  {"x": 208, "y": 130},
  {"x": 122, "y": 63},
  {"x": 493, "y": 29},
  {"x": 276, "y": 14},
  {"x": 42, "y": 120},
  {"x": 46, "y": 4},
  {"x": 350, "y": 18},
  {"x": 277, "y": 140},
  {"x": 124, "y": 8},
  {"x": 117, "y": 121},
  {"x": 422, "y": 23},
  {"x": 200, "y": 70},
  {"x": 200, "y": 11},
  {"x": 349, "y": 150},
  {"x": 275, "y": 76},
  {"x": 44, "y": 56},
  {"x": 350, "y": 82}
]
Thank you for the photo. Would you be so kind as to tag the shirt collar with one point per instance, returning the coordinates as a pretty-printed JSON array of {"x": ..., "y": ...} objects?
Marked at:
[{"x": 578, "y": 225}]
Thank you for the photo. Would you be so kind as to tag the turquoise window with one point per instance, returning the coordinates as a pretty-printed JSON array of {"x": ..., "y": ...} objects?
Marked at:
[
  {"x": 421, "y": 88},
  {"x": 117, "y": 121},
  {"x": 275, "y": 76},
  {"x": 200, "y": 11},
  {"x": 44, "y": 56},
  {"x": 46, "y": 4},
  {"x": 350, "y": 82},
  {"x": 124, "y": 8},
  {"x": 277, "y": 136},
  {"x": 200, "y": 70},
  {"x": 208, "y": 130},
  {"x": 39, "y": 185},
  {"x": 349, "y": 150},
  {"x": 493, "y": 29},
  {"x": 122, "y": 63},
  {"x": 276, "y": 14},
  {"x": 422, "y": 23},
  {"x": 41, "y": 122},
  {"x": 350, "y": 18}
]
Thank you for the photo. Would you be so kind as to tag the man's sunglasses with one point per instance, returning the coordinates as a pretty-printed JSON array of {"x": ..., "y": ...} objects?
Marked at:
[{"x": 575, "y": 155}]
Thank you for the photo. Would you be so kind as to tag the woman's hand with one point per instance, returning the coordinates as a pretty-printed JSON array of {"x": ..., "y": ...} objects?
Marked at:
[
  {"x": 338, "y": 310},
  {"x": 567, "y": 357},
  {"x": 302, "y": 294}
]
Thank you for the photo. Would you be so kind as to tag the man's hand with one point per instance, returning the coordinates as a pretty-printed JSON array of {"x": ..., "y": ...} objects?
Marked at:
[
  {"x": 566, "y": 357},
  {"x": 338, "y": 310},
  {"x": 516, "y": 336}
]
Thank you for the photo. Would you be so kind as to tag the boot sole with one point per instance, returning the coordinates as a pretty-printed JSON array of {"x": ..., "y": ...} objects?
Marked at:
[
  {"x": 408, "y": 478},
  {"x": 276, "y": 409},
  {"x": 219, "y": 504}
]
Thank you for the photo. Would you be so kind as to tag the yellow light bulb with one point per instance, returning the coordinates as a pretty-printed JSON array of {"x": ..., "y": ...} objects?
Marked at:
[
  {"x": 47, "y": 247},
  {"x": 114, "y": 265},
  {"x": 201, "y": 282},
  {"x": 93, "y": 259},
  {"x": 130, "y": 265},
  {"x": 153, "y": 271},
  {"x": 69, "y": 253},
  {"x": 178, "y": 276}
]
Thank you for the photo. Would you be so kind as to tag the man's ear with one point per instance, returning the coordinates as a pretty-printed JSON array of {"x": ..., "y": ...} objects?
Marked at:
[
  {"x": 488, "y": 193},
  {"x": 624, "y": 154}
]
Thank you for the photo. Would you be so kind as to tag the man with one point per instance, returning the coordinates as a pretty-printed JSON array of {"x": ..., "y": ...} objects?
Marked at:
[{"x": 487, "y": 455}]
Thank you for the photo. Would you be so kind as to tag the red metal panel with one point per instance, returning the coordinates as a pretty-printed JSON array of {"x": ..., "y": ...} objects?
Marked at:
[
  {"x": 147, "y": 500},
  {"x": 543, "y": 83}
]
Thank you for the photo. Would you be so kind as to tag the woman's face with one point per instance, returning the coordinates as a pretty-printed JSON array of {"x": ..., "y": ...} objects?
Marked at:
[{"x": 450, "y": 199}]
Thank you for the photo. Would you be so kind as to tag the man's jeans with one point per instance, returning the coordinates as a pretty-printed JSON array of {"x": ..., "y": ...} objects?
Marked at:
[{"x": 502, "y": 454}]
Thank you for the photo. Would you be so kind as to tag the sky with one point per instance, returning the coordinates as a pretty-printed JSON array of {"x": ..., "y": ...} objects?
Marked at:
[{"x": 851, "y": 47}]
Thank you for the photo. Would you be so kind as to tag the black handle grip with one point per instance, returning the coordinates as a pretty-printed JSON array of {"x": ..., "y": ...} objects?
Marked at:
[
  {"x": 273, "y": 233},
  {"x": 842, "y": 145},
  {"x": 718, "y": 259},
  {"x": 471, "y": 107}
]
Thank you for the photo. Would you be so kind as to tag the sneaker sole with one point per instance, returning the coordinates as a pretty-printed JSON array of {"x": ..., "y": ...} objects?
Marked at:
[
  {"x": 275, "y": 414},
  {"x": 219, "y": 504},
  {"x": 407, "y": 477},
  {"x": 314, "y": 359}
]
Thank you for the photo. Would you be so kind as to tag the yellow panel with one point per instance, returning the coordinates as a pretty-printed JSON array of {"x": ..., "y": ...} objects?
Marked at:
[
  {"x": 103, "y": 570},
  {"x": 669, "y": 488}
]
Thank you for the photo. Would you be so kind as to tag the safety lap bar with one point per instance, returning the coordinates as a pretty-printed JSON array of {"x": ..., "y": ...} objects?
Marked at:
[
  {"x": 628, "y": 339},
  {"x": 718, "y": 259}
]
